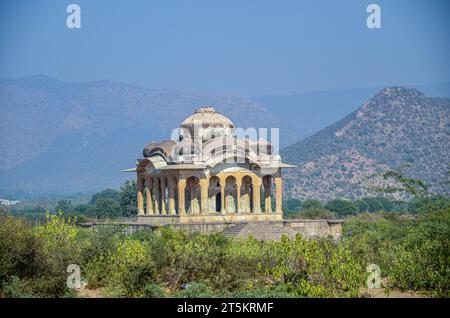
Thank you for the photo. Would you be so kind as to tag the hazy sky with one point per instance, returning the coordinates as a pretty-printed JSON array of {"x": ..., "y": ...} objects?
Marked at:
[{"x": 229, "y": 47}]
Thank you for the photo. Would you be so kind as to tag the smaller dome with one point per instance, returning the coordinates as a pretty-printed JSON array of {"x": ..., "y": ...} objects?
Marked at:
[{"x": 163, "y": 148}]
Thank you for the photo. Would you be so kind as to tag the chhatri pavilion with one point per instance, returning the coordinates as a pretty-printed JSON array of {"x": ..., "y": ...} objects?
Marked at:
[{"x": 209, "y": 174}]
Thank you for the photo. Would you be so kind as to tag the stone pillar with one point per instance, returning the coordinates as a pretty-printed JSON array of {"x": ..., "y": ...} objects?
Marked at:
[
  {"x": 238, "y": 195},
  {"x": 171, "y": 185},
  {"x": 140, "y": 198},
  {"x": 278, "y": 195},
  {"x": 256, "y": 195},
  {"x": 267, "y": 193},
  {"x": 148, "y": 195},
  {"x": 245, "y": 199},
  {"x": 181, "y": 202},
  {"x": 156, "y": 195},
  {"x": 222, "y": 195},
  {"x": 204, "y": 184},
  {"x": 163, "y": 196}
]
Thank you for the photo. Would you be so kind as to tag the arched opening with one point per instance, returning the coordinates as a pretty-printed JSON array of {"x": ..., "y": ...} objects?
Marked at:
[
  {"x": 218, "y": 203},
  {"x": 214, "y": 196},
  {"x": 230, "y": 194},
  {"x": 192, "y": 195}
]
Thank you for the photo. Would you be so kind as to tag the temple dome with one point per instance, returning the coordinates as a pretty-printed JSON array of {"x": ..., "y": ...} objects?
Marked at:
[
  {"x": 209, "y": 117},
  {"x": 212, "y": 122}
]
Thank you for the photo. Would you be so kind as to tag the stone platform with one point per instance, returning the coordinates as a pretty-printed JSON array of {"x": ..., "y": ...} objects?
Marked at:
[{"x": 260, "y": 230}]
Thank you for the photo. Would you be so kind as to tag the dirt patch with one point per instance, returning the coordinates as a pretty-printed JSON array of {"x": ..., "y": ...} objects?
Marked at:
[
  {"x": 90, "y": 293},
  {"x": 381, "y": 293}
]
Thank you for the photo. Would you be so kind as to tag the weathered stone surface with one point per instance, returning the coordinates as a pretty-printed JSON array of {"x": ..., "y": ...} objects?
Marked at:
[{"x": 262, "y": 230}]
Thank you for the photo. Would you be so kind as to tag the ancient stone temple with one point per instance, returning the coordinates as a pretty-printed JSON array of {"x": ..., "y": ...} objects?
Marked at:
[{"x": 208, "y": 173}]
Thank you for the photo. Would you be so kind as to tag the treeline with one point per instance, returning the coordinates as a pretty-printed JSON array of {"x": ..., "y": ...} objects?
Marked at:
[
  {"x": 339, "y": 208},
  {"x": 109, "y": 203}
]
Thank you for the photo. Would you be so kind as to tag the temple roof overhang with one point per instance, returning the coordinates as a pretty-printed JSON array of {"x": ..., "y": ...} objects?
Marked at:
[
  {"x": 196, "y": 166},
  {"x": 184, "y": 166}
]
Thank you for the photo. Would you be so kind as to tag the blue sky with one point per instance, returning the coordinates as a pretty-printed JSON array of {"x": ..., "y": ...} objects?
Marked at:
[{"x": 229, "y": 47}]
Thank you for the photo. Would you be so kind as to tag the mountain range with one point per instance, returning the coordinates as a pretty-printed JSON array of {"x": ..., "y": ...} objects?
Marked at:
[
  {"x": 59, "y": 137},
  {"x": 399, "y": 128}
]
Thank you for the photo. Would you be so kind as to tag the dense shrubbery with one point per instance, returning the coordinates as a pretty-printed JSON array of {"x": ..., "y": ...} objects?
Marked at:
[
  {"x": 171, "y": 263},
  {"x": 413, "y": 253},
  {"x": 412, "y": 250}
]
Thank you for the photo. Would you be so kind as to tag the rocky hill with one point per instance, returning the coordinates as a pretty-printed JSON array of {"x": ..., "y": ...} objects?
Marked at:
[{"x": 397, "y": 127}]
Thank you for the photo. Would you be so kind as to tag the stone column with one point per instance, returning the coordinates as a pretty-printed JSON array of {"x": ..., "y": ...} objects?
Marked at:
[
  {"x": 256, "y": 195},
  {"x": 171, "y": 186},
  {"x": 156, "y": 195},
  {"x": 140, "y": 198},
  {"x": 204, "y": 184},
  {"x": 238, "y": 195},
  {"x": 148, "y": 195},
  {"x": 267, "y": 193},
  {"x": 163, "y": 196},
  {"x": 245, "y": 199},
  {"x": 278, "y": 195},
  {"x": 222, "y": 195},
  {"x": 181, "y": 202}
]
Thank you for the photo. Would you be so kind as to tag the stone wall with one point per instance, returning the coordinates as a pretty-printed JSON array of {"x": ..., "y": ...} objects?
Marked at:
[{"x": 262, "y": 230}]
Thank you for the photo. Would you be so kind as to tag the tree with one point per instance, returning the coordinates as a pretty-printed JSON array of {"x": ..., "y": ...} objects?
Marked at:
[
  {"x": 106, "y": 208},
  {"x": 309, "y": 203},
  {"x": 64, "y": 205},
  {"x": 316, "y": 213},
  {"x": 342, "y": 207},
  {"x": 128, "y": 201},
  {"x": 108, "y": 193},
  {"x": 385, "y": 203},
  {"x": 373, "y": 204},
  {"x": 293, "y": 205},
  {"x": 363, "y": 206},
  {"x": 81, "y": 209}
]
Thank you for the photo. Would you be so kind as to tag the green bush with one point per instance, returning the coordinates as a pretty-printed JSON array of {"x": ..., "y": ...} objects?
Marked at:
[
  {"x": 411, "y": 250},
  {"x": 195, "y": 290},
  {"x": 153, "y": 291},
  {"x": 14, "y": 288},
  {"x": 19, "y": 249},
  {"x": 342, "y": 207}
]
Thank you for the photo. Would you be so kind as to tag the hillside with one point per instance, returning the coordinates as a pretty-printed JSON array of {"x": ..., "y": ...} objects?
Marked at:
[
  {"x": 58, "y": 137},
  {"x": 397, "y": 127}
]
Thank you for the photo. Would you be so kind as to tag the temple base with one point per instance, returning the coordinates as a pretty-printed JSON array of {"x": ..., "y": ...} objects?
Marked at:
[
  {"x": 209, "y": 218},
  {"x": 260, "y": 230}
]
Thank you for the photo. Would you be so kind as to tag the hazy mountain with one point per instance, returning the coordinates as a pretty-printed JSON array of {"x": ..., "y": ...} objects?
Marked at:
[
  {"x": 314, "y": 111},
  {"x": 70, "y": 137},
  {"x": 58, "y": 137},
  {"x": 397, "y": 126}
]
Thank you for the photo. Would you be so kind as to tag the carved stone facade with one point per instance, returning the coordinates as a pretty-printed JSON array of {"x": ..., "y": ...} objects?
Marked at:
[{"x": 209, "y": 175}]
